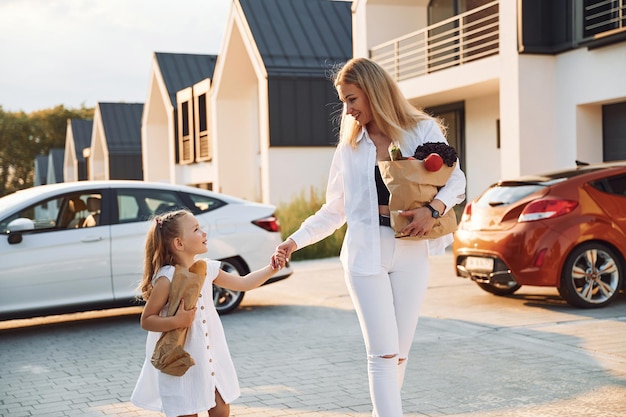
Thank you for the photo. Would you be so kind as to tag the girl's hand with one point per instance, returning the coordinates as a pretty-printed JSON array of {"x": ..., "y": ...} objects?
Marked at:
[
  {"x": 185, "y": 317},
  {"x": 279, "y": 259},
  {"x": 287, "y": 248}
]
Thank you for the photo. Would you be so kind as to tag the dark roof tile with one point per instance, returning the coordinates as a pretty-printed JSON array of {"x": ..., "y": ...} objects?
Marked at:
[
  {"x": 81, "y": 132},
  {"x": 180, "y": 71},
  {"x": 300, "y": 36},
  {"x": 122, "y": 126}
]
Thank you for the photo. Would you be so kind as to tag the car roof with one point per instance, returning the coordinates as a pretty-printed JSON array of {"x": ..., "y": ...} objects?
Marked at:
[
  {"x": 563, "y": 174},
  {"x": 42, "y": 191}
]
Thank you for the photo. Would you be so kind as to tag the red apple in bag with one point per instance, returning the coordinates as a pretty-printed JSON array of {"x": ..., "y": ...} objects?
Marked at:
[{"x": 433, "y": 162}]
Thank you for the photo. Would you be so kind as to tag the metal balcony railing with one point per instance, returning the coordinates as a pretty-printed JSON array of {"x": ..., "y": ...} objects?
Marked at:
[
  {"x": 603, "y": 17},
  {"x": 461, "y": 39}
]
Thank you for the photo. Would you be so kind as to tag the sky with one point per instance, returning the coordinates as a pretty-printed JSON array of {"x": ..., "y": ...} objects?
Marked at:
[{"x": 81, "y": 52}]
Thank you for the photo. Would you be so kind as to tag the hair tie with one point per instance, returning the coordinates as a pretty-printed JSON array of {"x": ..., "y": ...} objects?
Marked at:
[{"x": 159, "y": 222}]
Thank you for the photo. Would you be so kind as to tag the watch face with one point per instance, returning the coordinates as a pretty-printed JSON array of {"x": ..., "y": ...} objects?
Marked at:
[{"x": 434, "y": 212}]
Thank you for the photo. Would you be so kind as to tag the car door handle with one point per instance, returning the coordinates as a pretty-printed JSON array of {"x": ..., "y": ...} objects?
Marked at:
[{"x": 91, "y": 239}]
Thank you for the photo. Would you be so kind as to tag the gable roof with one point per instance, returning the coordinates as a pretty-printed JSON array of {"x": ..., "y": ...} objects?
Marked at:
[
  {"x": 180, "y": 71},
  {"x": 122, "y": 126},
  {"x": 81, "y": 132},
  {"x": 55, "y": 165},
  {"x": 296, "y": 37},
  {"x": 41, "y": 169}
]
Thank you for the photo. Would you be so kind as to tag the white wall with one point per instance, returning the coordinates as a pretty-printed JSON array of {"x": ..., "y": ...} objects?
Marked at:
[
  {"x": 539, "y": 147},
  {"x": 587, "y": 131},
  {"x": 70, "y": 163},
  {"x": 99, "y": 158},
  {"x": 237, "y": 112},
  {"x": 482, "y": 156},
  {"x": 586, "y": 80},
  {"x": 298, "y": 169},
  {"x": 376, "y": 22},
  {"x": 196, "y": 173},
  {"x": 157, "y": 133}
]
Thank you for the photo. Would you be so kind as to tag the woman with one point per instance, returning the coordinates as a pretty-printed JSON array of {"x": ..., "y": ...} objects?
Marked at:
[{"x": 386, "y": 277}]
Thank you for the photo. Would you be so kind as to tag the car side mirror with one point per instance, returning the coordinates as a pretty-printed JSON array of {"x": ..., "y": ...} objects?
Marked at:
[{"x": 16, "y": 227}]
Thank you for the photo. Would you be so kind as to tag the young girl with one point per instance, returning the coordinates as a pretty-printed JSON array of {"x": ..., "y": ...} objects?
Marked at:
[{"x": 175, "y": 238}]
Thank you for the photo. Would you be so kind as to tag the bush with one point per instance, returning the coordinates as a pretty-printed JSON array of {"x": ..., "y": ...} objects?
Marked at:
[{"x": 292, "y": 214}]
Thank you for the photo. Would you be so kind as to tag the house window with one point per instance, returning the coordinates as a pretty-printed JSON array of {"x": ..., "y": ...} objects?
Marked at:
[
  {"x": 185, "y": 141},
  {"x": 203, "y": 135},
  {"x": 602, "y": 16}
]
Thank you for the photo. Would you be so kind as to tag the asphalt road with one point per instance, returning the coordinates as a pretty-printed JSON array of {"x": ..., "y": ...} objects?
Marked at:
[{"x": 298, "y": 351}]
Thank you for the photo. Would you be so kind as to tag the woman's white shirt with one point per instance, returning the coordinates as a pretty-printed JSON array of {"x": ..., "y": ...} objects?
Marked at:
[{"x": 351, "y": 196}]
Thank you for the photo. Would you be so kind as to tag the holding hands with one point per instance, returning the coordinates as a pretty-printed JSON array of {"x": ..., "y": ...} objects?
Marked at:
[{"x": 282, "y": 253}]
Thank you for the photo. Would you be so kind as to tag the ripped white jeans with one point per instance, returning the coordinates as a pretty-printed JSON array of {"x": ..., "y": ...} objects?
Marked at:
[{"x": 388, "y": 305}]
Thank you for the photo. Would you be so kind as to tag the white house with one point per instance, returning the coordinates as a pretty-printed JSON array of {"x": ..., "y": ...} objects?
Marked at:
[
  {"x": 526, "y": 86},
  {"x": 115, "y": 149},
  {"x": 77, "y": 139},
  {"x": 171, "y": 73}
]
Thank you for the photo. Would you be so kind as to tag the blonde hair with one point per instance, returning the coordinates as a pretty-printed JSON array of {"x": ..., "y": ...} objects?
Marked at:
[
  {"x": 391, "y": 111},
  {"x": 164, "y": 229}
]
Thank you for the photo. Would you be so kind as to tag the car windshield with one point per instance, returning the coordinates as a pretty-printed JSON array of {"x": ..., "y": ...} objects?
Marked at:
[
  {"x": 508, "y": 192},
  {"x": 502, "y": 195}
]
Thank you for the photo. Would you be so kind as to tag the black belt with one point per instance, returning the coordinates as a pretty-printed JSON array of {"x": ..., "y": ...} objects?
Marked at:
[{"x": 384, "y": 220}]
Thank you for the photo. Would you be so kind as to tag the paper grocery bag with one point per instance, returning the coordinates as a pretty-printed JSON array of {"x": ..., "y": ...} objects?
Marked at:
[
  {"x": 169, "y": 354},
  {"x": 411, "y": 186}
]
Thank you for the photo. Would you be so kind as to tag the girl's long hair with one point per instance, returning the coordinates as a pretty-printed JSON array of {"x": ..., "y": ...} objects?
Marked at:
[
  {"x": 391, "y": 111},
  {"x": 158, "y": 253}
]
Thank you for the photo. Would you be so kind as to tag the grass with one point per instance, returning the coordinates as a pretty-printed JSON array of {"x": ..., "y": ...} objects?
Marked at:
[{"x": 292, "y": 214}]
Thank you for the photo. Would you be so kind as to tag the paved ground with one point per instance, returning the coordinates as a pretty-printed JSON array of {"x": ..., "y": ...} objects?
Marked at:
[{"x": 298, "y": 351}]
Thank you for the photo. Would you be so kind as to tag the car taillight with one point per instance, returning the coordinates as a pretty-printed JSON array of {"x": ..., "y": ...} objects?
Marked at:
[
  {"x": 467, "y": 213},
  {"x": 546, "y": 209},
  {"x": 271, "y": 224}
]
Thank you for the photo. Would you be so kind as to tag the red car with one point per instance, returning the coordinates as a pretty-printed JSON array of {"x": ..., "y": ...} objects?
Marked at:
[{"x": 565, "y": 229}]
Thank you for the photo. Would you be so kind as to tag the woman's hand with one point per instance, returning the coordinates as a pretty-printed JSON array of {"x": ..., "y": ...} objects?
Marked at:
[
  {"x": 421, "y": 222},
  {"x": 279, "y": 259},
  {"x": 282, "y": 253},
  {"x": 184, "y": 318}
]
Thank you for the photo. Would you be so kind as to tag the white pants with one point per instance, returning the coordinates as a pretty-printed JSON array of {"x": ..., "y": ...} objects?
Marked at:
[{"x": 388, "y": 306}]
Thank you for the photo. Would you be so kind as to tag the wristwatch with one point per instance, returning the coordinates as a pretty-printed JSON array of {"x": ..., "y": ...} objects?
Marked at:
[{"x": 434, "y": 212}]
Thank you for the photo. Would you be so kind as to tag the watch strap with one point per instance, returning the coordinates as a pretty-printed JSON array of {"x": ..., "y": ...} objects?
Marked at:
[{"x": 433, "y": 210}]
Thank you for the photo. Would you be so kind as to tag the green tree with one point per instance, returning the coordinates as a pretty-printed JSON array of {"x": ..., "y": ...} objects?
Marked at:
[{"x": 24, "y": 136}]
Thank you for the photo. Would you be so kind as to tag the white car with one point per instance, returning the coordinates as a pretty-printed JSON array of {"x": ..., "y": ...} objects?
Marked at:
[{"x": 77, "y": 244}]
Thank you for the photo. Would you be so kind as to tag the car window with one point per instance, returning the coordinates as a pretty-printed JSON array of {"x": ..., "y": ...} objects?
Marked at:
[
  {"x": 499, "y": 195},
  {"x": 613, "y": 185},
  {"x": 43, "y": 214},
  {"x": 205, "y": 203},
  {"x": 135, "y": 205},
  {"x": 69, "y": 211}
]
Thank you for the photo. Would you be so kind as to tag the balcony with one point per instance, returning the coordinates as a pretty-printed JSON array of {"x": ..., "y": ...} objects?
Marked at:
[
  {"x": 452, "y": 42},
  {"x": 604, "y": 18}
]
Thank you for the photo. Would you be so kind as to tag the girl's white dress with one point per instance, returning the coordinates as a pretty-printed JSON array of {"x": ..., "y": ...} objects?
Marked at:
[{"x": 194, "y": 392}]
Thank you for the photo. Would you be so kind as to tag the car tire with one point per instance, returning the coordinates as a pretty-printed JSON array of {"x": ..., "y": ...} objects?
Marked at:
[
  {"x": 226, "y": 300},
  {"x": 592, "y": 276},
  {"x": 501, "y": 288}
]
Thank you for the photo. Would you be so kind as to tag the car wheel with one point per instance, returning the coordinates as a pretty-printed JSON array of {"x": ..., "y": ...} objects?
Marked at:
[
  {"x": 500, "y": 288},
  {"x": 226, "y": 300},
  {"x": 592, "y": 276}
]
